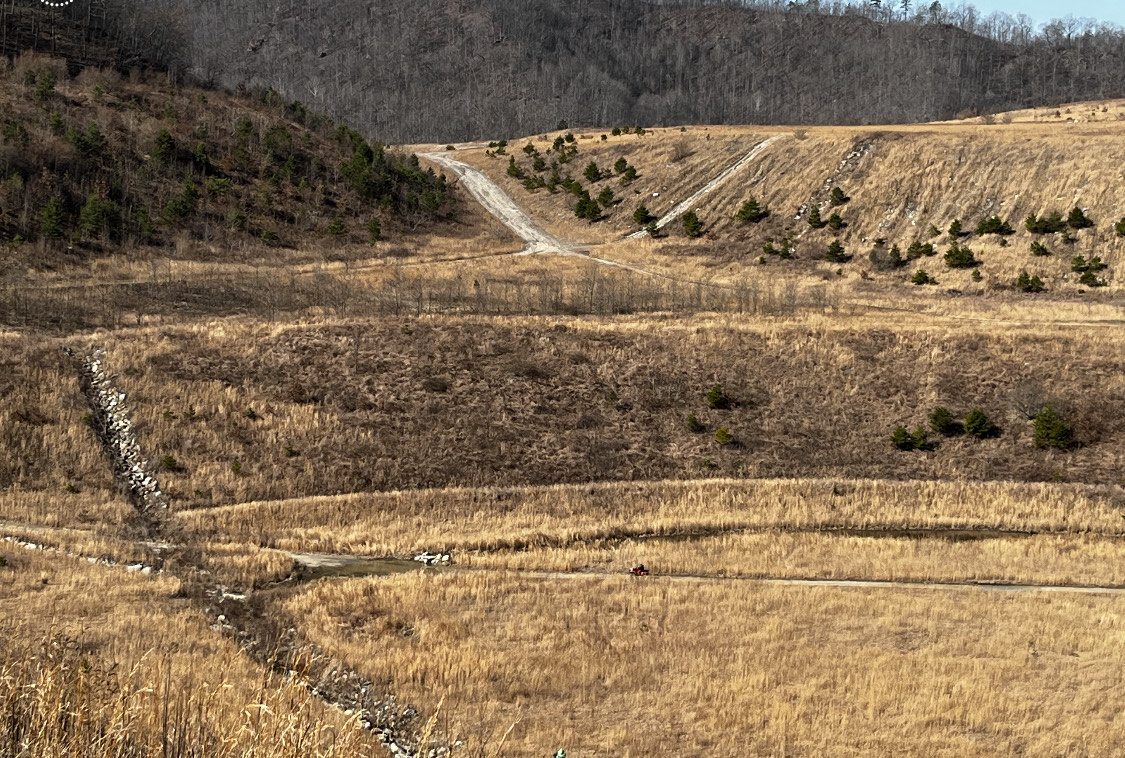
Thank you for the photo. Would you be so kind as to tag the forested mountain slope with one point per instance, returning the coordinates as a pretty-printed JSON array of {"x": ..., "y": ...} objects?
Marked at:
[{"x": 466, "y": 69}]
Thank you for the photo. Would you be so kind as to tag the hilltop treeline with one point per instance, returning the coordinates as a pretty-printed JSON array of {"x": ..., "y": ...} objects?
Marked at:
[
  {"x": 460, "y": 69},
  {"x": 440, "y": 70}
]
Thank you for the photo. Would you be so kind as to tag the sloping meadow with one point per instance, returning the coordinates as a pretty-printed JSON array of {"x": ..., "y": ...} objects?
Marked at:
[{"x": 240, "y": 412}]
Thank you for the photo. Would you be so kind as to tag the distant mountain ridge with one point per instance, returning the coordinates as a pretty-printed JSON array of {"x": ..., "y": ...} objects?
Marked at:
[{"x": 444, "y": 70}]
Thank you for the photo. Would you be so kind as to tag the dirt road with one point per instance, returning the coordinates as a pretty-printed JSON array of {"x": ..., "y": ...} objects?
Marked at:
[
  {"x": 497, "y": 202},
  {"x": 328, "y": 564}
]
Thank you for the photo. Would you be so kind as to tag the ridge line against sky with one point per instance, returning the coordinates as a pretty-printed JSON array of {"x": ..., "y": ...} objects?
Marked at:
[{"x": 1043, "y": 11}]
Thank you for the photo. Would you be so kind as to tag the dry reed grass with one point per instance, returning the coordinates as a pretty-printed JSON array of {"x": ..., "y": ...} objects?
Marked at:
[
  {"x": 97, "y": 662},
  {"x": 400, "y": 523},
  {"x": 618, "y": 667},
  {"x": 1053, "y": 559},
  {"x": 53, "y": 471}
]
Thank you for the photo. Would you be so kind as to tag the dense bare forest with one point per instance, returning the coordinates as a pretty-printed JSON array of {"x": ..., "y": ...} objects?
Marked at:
[{"x": 461, "y": 69}]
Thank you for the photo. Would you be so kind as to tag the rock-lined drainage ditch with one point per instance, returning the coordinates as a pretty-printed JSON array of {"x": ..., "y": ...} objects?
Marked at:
[
  {"x": 233, "y": 613},
  {"x": 109, "y": 418}
]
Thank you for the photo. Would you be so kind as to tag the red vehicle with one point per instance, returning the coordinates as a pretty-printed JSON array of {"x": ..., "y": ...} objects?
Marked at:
[{"x": 639, "y": 570}]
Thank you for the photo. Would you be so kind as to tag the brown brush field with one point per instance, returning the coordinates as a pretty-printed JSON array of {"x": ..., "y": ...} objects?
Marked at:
[
  {"x": 325, "y": 409},
  {"x": 613, "y": 666}
]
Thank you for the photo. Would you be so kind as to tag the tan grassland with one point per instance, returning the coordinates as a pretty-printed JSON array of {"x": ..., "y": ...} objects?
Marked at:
[
  {"x": 52, "y": 471},
  {"x": 1043, "y": 559},
  {"x": 611, "y": 666},
  {"x": 100, "y": 663},
  {"x": 497, "y": 519}
]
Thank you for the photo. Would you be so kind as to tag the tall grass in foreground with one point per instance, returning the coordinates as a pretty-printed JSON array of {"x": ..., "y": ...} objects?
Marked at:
[{"x": 56, "y": 699}]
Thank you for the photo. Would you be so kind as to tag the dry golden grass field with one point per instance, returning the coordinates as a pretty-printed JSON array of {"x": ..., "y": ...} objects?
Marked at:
[
  {"x": 614, "y": 666},
  {"x": 544, "y": 417}
]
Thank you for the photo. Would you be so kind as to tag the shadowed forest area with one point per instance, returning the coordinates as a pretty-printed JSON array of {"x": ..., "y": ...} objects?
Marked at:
[{"x": 453, "y": 69}]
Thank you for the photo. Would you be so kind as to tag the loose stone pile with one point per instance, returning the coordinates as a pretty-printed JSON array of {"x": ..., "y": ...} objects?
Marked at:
[{"x": 109, "y": 418}]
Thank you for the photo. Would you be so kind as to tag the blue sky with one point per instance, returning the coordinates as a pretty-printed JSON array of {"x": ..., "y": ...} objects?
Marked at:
[{"x": 1045, "y": 10}]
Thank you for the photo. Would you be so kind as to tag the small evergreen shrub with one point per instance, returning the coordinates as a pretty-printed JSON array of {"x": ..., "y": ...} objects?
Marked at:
[
  {"x": 918, "y": 249},
  {"x": 814, "y": 219},
  {"x": 1119, "y": 228},
  {"x": 723, "y": 436},
  {"x": 620, "y": 165},
  {"x": 642, "y": 216},
  {"x": 976, "y": 277},
  {"x": 652, "y": 229},
  {"x": 1029, "y": 283},
  {"x": 994, "y": 225},
  {"x": 165, "y": 148},
  {"x": 960, "y": 256},
  {"x": 836, "y": 253},
  {"x": 1090, "y": 279},
  {"x": 514, "y": 169},
  {"x": 943, "y": 422},
  {"x": 1049, "y": 224},
  {"x": 933, "y": 231},
  {"x": 837, "y": 197},
  {"x": 955, "y": 231},
  {"x": 169, "y": 463},
  {"x": 336, "y": 228},
  {"x": 694, "y": 425},
  {"x": 605, "y": 197},
  {"x": 902, "y": 439},
  {"x": 1051, "y": 430},
  {"x": 979, "y": 425},
  {"x": 1077, "y": 219},
  {"x": 592, "y": 172},
  {"x": 716, "y": 398},
  {"x": 629, "y": 176},
  {"x": 921, "y": 277},
  {"x": 883, "y": 260},
  {"x": 835, "y": 223},
  {"x": 587, "y": 207},
  {"x": 374, "y": 230},
  {"x": 693, "y": 227},
  {"x": 751, "y": 212},
  {"x": 1038, "y": 248}
]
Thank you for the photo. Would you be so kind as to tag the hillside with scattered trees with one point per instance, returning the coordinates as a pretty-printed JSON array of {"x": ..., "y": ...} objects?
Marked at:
[{"x": 100, "y": 164}]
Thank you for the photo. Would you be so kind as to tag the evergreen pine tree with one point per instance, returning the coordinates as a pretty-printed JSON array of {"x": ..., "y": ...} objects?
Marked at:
[
  {"x": 50, "y": 220},
  {"x": 1077, "y": 219},
  {"x": 751, "y": 212},
  {"x": 693, "y": 227}
]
